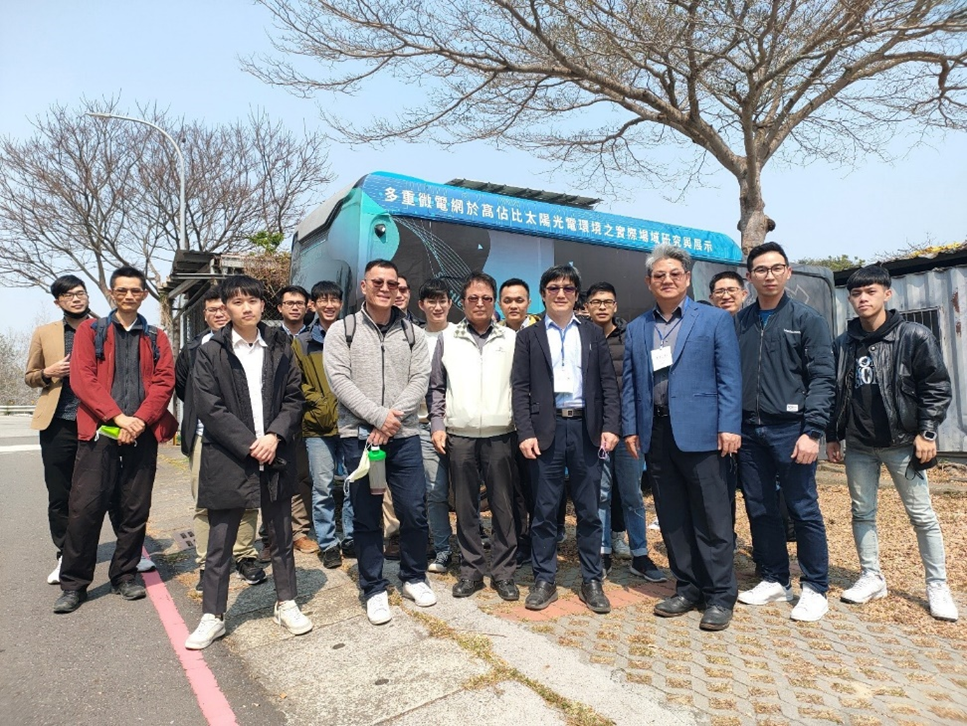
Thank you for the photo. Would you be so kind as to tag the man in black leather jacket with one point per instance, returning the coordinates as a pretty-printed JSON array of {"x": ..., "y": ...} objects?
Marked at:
[{"x": 892, "y": 394}]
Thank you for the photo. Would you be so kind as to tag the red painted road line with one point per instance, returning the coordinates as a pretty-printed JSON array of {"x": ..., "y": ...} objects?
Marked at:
[{"x": 214, "y": 706}]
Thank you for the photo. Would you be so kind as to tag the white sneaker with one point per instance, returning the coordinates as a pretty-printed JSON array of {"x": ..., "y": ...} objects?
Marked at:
[
  {"x": 145, "y": 564},
  {"x": 210, "y": 628},
  {"x": 620, "y": 548},
  {"x": 870, "y": 586},
  {"x": 288, "y": 615},
  {"x": 811, "y": 606},
  {"x": 766, "y": 592},
  {"x": 377, "y": 609},
  {"x": 656, "y": 525},
  {"x": 420, "y": 593},
  {"x": 942, "y": 604},
  {"x": 54, "y": 577}
]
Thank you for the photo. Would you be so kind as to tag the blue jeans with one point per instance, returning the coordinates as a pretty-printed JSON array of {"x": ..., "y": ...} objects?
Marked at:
[
  {"x": 627, "y": 470},
  {"x": 323, "y": 454},
  {"x": 863, "y": 476},
  {"x": 407, "y": 485},
  {"x": 766, "y": 453},
  {"x": 436, "y": 469}
]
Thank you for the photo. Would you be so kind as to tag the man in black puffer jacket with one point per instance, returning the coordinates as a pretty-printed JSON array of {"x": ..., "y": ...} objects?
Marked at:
[{"x": 892, "y": 394}]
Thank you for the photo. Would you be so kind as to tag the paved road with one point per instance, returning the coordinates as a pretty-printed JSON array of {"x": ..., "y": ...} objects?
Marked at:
[{"x": 110, "y": 662}]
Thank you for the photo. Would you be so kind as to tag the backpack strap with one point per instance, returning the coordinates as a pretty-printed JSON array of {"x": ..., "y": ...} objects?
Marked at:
[
  {"x": 100, "y": 335},
  {"x": 351, "y": 331}
]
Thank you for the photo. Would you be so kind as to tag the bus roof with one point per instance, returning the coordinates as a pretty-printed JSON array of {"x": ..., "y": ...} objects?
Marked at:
[{"x": 410, "y": 197}]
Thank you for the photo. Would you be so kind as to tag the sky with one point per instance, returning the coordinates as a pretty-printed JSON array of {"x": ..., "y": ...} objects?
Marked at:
[{"x": 184, "y": 56}]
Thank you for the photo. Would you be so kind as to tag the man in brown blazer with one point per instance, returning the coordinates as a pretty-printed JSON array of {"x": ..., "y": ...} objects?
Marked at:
[{"x": 48, "y": 368}]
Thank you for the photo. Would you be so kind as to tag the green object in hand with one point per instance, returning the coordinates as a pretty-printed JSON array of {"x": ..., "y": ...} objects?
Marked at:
[{"x": 112, "y": 432}]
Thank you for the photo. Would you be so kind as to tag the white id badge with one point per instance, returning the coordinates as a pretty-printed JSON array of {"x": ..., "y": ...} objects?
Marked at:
[
  {"x": 661, "y": 358},
  {"x": 563, "y": 383}
]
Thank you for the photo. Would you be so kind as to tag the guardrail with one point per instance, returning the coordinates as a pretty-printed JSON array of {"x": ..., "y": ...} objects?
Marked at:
[{"x": 15, "y": 410}]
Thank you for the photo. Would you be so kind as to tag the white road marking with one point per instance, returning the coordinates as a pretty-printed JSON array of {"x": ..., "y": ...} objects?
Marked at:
[{"x": 14, "y": 448}]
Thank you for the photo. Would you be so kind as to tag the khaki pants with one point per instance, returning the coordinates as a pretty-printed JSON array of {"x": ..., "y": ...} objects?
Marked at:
[
  {"x": 391, "y": 525},
  {"x": 244, "y": 547}
]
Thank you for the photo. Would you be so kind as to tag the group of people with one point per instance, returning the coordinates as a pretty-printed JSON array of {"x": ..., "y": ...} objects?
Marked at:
[{"x": 521, "y": 412}]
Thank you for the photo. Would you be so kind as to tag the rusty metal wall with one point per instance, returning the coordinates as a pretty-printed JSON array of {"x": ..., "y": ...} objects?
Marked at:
[{"x": 945, "y": 290}]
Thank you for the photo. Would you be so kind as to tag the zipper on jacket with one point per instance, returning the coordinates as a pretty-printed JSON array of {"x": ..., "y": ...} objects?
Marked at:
[{"x": 758, "y": 383}]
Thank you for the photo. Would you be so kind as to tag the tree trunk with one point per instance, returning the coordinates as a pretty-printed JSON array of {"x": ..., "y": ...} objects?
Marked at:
[
  {"x": 754, "y": 224},
  {"x": 168, "y": 324}
]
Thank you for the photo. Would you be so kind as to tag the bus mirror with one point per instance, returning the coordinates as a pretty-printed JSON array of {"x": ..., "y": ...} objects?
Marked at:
[{"x": 380, "y": 230}]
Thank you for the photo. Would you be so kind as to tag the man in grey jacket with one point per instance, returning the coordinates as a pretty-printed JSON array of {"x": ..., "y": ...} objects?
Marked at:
[{"x": 378, "y": 367}]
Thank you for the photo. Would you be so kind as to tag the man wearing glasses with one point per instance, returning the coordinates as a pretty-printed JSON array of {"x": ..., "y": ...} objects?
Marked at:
[
  {"x": 293, "y": 304},
  {"x": 566, "y": 409},
  {"x": 48, "y": 368},
  {"x": 472, "y": 424},
  {"x": 788, "y": 384},
  {"x": 123, "y": 374},
  {"x": 378, "y": 368},
  {"x": 727, "y": 291},
  {"x": 680, "y": 407}
]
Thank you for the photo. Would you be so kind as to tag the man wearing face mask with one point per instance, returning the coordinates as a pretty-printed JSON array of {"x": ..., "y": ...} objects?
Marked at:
[{"x": 48, "y": 368}]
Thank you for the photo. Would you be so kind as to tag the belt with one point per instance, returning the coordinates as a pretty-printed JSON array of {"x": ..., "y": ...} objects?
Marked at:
[
  {"x": 570, "y": 412},
  {"x": 661, "y": 411}
]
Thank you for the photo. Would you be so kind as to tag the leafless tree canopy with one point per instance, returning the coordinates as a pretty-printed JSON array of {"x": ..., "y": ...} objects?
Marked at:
[
  {"x": 86, "y": 195},
  {"x": 596, "y": 83}
]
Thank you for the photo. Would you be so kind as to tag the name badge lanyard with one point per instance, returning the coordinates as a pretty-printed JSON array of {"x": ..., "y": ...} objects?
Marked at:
[{"x": 663, "y": 338}]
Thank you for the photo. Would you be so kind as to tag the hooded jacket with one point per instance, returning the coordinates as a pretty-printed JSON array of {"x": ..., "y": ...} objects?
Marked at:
[
  {"x": 230, "y": 478},
  {"x": 913, "y": 380}
]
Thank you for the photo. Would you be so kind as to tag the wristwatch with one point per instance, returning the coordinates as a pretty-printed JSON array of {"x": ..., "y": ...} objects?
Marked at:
[{"x": 929, "y": 435}]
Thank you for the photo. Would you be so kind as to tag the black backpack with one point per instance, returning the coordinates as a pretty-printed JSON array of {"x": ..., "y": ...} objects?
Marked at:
[
  {"x": 100, "y": 334},
  {"x": 350, "y": 321}
]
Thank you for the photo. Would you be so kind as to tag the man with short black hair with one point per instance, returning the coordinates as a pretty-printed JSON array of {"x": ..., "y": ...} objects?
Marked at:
[
  {"x": 379, "y": 369},
  {"x": 567, "y": 413},
  {"x": 402, "y": 301},
  {"x": 515, "y": 299},
  {"x": 246, "y": 557},
  {"x": 320, "y": 429},
  {"x": 788, "y": 383},
  {"x": 55, "y": 416},
  {"x": 123, "y": 374},
  {"x": 892, "y": 394},
  {"x": 293, "y": 304},
  {"x": 472, "y": 422},
  {"x": 727, "y": 291}
]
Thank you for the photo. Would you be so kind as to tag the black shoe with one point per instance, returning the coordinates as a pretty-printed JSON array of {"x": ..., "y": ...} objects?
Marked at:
[
  {"x": 129, "y": 590},
  {"x": 672, "y": 607},
  {"x": 201, "y": 576},
  {"x": 592, "y": 595},
  {"x": 69, "y": 601},
  {"x": 249, "y": 571},
  {"x": 642, "y": 566},
  {"x": 391, "y": 551},
  {"x": 466, "y": 587},
  {"x": 484, "y": 538},
  {"x": 716, "y": 617},
  {"x": 348, "y": 548},
  {"x": 541, "y": 595},
  {"x": 265, "y": 556},
  {"x": 506, "y": 589},
  {"x": 605, "y": 564},
  {"x": 331, "y": 557}
]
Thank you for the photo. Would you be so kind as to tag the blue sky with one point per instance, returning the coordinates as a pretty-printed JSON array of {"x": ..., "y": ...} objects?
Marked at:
[{"x": 184, "y": 56}]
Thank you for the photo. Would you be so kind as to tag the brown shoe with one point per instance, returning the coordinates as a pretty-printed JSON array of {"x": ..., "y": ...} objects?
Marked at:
[
  {"x": 305, "y": 545},
  {"x": 391, "y": 550},
  {"x": 265, "y": 555}
]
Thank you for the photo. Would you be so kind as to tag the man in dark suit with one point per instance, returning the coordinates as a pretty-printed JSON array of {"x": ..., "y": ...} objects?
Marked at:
[
  {"x": 566, "y": 409},
  {"x": 682, "y": 408}
]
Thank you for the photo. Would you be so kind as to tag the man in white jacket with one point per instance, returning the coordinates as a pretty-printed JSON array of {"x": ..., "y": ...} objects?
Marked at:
[{"x": 471, "y": 421}]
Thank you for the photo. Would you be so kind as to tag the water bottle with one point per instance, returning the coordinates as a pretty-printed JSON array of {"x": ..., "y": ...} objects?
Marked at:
[{"x": 377, "y": 471}]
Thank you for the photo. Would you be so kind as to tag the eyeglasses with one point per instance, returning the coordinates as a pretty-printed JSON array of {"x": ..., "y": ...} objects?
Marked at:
[
  {"x": 674, "y": 275},
  {"x": 293, "y": 304},
  {"x": 216, "y": 311},
  {"x": 391, "y": 284},
  {"x": 402, "y": 289},
  {"x": 567, "y": 289},
  {"x": 603, "y": 455},
  {"x": 600, "y": 303},
  {"x": 124, "y": 291},
  {"x": 764, "y": 271},
  {"x": 723, "y": 291},
  {"x": 73, "y": 295},
  {"x": 474, "y": 299},
  {"x": 328, "y": 300}
]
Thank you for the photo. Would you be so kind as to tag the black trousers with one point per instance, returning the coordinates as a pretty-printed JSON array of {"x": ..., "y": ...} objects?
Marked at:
[
  {"x": 493, "y": 458},
  {"x": 108, "y": 476},
  {"x": 58, "y": 449},
  {"x": 277, "y": 516},
  {"x": 523, "y": 501},
  {"x": 692, "y": 500},
  {"x": 574, "y": 450}
]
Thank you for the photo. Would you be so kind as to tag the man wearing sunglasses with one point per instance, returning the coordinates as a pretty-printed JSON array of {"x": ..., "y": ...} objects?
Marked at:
[
  {"x": 566, "y": 409},
  {"x": 788, "y": 385},
  {"x": 378, "y": 367}
]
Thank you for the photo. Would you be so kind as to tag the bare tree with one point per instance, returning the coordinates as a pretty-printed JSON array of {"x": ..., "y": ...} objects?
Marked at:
[
  {"x": 86, "y": 195},
  {"x": 595, "y": 84},
  {"x": 14, "y": 346}
]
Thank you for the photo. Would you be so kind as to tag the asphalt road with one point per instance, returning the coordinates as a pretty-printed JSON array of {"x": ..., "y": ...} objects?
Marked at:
[{"x": 108, "y": 663}]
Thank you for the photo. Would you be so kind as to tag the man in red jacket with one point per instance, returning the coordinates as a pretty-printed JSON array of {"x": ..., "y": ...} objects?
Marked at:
[{"x": 123, "y": 375}]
